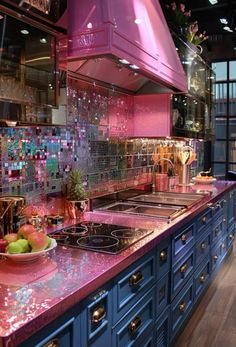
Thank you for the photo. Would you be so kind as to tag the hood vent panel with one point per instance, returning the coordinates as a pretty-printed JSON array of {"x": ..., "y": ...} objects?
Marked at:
[{"x": 104, "y": 33}]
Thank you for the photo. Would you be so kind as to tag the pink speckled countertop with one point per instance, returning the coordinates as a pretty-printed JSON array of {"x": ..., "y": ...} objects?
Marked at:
[{"x": 34, "y": 294}]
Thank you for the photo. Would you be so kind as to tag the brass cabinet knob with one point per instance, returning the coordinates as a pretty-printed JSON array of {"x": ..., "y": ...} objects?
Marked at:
[
  {"x": 134, "y": 325},
  {"x": 222, "y": 246},
  {"x": 203, "y": 246},
  {"x": 204, "y": 220},
  {"x": 215, "y": 257},
  {"x": 231, "y": 236},
  {"x": 135, "y": 278},
  {"x": 184, "y": 268},
  {"x": 182, "y": 306},
  {"x": 184, "y": 238},
  {"x": 224, "y": 220},
  {"x": 98, "y": 314},
  {"x": 202, "y": 278},
  {"x": 52, "y": 343},
  {"x": 163, "y": 256}
]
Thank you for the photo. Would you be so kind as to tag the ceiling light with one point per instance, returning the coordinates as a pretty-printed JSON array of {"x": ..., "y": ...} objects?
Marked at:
[
  {"x": 213, "y": 2},
  {"x": 137, "y": 21},
  {"x": 43, "y": 40},
  {"x": 223, "y": 21},
  {"x": 24, "y": 32},
  {"x": 123, "y": 61},
  {"x": 135, "y": 67},
  {"x": 228, "y": 29}
]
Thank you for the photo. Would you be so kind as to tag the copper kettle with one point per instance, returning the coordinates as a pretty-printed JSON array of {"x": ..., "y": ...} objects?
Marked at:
[{"x": 11, "y": 213}]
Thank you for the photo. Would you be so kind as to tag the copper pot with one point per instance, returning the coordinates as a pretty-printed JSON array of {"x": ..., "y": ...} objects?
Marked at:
[
  {"x": 76, "y": 209},
  {"x": 11, "y": 213}
]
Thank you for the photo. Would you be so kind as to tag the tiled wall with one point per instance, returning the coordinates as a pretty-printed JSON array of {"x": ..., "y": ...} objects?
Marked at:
[{"x": 35, "y": 161}]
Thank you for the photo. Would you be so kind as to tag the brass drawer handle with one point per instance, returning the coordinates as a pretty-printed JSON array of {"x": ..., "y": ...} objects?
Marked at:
[
  {"x": 215, "y": 258},
  {"x": 184, "y": 238},
  {"x": 52, "y": 343},
  {"x": 184, "y": 268},
  {"x": 231, "y": 236},
  {"x": 202, "y": 278},
  {"x": 224, "y": 220},
  {"x": 98, "y": 314},
  {"x": 134, "y": 325},
  {"x": 182, "y": 306},
  {"x": 135, "y": 278},
  {"x": 204, "y": 220},
  {"x": 163, "y": 256},
  {"x": 203, "y": 246}
]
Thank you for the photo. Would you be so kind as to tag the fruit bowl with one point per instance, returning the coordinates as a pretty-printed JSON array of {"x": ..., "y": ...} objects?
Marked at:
[
  {"x": 29, "y": 257},
  {"x": 204, "y": 179}
]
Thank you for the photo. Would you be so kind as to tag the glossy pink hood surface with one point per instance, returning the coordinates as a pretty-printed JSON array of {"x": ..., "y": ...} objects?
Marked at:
[{"x": 134, "y": 30}]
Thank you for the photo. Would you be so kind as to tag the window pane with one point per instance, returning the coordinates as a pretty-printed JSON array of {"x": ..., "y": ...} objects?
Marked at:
[
  {"x": 232, "y": 99},
  {"x": 221, "y": 99},
  {"x": 220, "y": 70},
  {"x": 219, "y": 151},
  {"x": 232, "y": 151},
  {"x": 232, "y": 70},
  {"x": 219, "y": 169},
  {"x": 220, "y": 128},
  {"x": 232, "y": 128}
]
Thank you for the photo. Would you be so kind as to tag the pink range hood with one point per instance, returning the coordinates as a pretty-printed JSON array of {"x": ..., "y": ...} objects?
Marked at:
[{"x": 125, "y": 43}]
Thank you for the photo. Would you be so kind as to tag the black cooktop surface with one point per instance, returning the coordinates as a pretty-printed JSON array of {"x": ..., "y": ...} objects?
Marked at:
[{"x": 99, "y": 237}]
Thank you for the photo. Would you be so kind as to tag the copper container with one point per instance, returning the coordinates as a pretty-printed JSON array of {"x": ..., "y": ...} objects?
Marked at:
[
  {"x": 76, "y": 209},
  {"x": 11, "y": 213}
]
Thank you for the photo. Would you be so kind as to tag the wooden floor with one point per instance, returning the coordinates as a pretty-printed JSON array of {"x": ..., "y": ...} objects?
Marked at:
[{"x": 213, "y": 323}]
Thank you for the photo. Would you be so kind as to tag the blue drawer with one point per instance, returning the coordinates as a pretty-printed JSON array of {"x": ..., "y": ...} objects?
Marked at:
[
  {"x": 181, "y": 272},
  {"x": 181, "y": 307},
  {"x": 204, "y": 221},
  {"x": 96, "y": 319},
  {"x": 201, "y": 277},
  {"x": 131, "y": 285},
  {"x": 216, "y": 255},
  {"x": 182, "y": 242},
  {"x": 162, "y": 328},
  {"x": 163, "y": 258},
  {"x": 217, "y": 230},
  {"x": 203, "y": 246},
  {"x": 162, "y": 294},
  {"x": 147, "y": 342},
  {"x": 137, "y": 324}
]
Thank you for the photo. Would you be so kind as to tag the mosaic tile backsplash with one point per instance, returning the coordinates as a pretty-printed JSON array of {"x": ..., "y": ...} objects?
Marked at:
[{"x": 35, "y": 161}]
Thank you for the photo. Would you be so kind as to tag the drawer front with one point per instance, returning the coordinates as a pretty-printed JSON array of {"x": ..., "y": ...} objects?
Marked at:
[
  {"x": 96, "y": 319},
  {"x": 204, "y": 221},
  {"x": 201, "y": 277},
  {"x": 132, "y": 284},
  {"x": 147, "y": 342},
  {"x": 217, "y": 230},
  {"x": 181, "y": 272},
  {"x": 231, "y": 235},
  {"x": 182, "y": 242},
  {"x": 163, "y": 258},
  {"x": 181, "y": 307},
  {"x": 162, "y": 328},
  {"x": 137, "y": 324},
  {"x": 216, "y": 255},
  {"x": 203, "y": 247},
  {"x": 162, "y": 294}
]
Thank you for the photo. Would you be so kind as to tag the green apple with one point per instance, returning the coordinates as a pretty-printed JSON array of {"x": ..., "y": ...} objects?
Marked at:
[
  {"x": 49, "y": 241},
  {"x": 14, "y": 248},
  {"x": 24, "y": 245}
]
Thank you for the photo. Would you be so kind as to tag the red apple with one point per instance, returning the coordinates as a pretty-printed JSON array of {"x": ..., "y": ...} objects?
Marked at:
[
  {"x": 12, "y": 237},
  {"x": 38, "y": 241},
  {"x": 3, "y": 245},
  {"x": 25, "y": 231}
]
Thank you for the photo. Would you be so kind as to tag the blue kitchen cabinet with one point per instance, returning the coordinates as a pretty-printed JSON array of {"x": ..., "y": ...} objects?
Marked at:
[
  {"x": 162, "y": 329},
  {"x": 201, "y": 277},
  {"x": 63, "y": 332}
]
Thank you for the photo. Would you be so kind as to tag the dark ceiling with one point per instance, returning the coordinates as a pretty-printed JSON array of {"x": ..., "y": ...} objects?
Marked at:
[{"x": 220, "y": 43}]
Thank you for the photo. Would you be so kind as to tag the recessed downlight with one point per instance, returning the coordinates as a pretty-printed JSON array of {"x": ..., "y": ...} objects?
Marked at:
[
  {"x": 213, "y": 2},
  {"x": 123, "y": 61},
  {"x": 43, "y": 40},
  {"x": 24, "y": 32},
  {"x": 223, "y": 21},
  {"x": 137, "y": 21},
  {"x": 133, "y": 66}
]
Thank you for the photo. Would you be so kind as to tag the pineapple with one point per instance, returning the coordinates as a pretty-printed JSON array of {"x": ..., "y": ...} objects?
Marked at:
[{"x": 76, "y": 189}]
